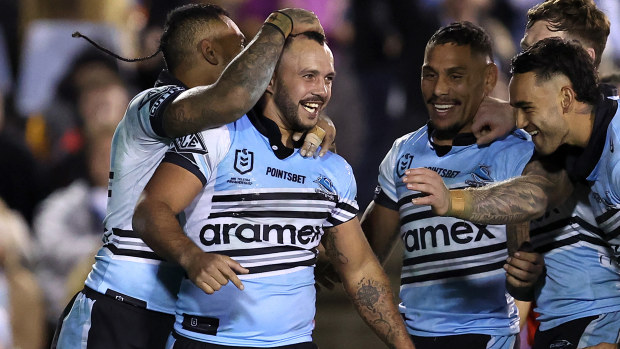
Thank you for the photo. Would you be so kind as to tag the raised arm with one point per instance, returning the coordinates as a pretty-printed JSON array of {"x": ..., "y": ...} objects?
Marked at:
[
  {"x": 242, "y": 82},
  {"x": 516, "y": 200},
  {"x": 381, "y": 226},
  {"x": 365, "y": 282},
  {"x": 155, "y": 220}
]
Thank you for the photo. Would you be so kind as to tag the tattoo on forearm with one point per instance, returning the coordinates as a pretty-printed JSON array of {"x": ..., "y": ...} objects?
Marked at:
[
  {"x": 329, "y": 242},
  {"x": 371, "y": 299}
]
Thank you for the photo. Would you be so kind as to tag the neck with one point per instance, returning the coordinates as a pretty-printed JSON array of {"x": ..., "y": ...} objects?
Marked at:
[
  {"x": 194, "y": 77},
  {"x": 581, "y": 123},
  {"x": 271, "y": 112}
]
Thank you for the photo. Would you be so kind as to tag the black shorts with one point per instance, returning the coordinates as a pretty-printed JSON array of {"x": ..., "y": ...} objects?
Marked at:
[
  {"x": 564, "y": 336},
  {"x": 113, "y": 323},
  {"x": 469, "y": 341},
  {"x": 186, "y": 343}
]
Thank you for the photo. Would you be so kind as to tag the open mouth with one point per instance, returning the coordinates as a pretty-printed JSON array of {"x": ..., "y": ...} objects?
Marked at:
[
  {"x": 532, "y": 132},
  {"x": 311, "y": 107}
]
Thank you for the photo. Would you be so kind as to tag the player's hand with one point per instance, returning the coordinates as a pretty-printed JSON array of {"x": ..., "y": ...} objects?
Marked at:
[
  {"x": 429, "y": 183},
  {"x": 494, "y": 119},
  {"x": 321, "y": 136},
  {"x": 210, "y": 271},
  {"x": 604, "y": 346},
  {"x": 524, "y": 269},
  {"x": 303, "y": 21}
]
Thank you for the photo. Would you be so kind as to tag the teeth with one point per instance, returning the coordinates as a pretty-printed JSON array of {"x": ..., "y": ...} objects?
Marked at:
[
  {"x": 533, "y": 133},
  {"x": 443, "y": 106},
  {"x": 311, "y": 107}
]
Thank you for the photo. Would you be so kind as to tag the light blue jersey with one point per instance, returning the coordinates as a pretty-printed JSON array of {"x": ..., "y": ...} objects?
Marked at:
[
  {"x": 266, "y": 207},
  {"x": 452, "y": 281},
  {"x": 582, "y": 276},
  {"x": 125, "y": 264},
  {"x": 605, "y": 186}
]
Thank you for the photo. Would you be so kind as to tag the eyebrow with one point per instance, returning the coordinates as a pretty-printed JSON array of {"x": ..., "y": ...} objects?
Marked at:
[{"x": 521, "y": 104}]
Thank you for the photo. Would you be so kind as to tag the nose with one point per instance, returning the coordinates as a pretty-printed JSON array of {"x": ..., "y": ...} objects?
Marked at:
[
  {"x": 522, "y": 121},
  {"x": 322, "y": 88},
  {"x": 441, "y": 86}
]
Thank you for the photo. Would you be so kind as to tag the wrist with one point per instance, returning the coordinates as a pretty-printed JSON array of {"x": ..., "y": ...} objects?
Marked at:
[
  {"x": 282, "y": 22},
  {"x": 460, "y": 204}
]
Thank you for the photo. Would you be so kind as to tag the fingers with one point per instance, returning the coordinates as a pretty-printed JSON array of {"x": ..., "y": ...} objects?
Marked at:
[
  {"x": 524, "y": 269},
  {"x": 217, "y": 270},
  {"x": 314, "y": 137},
  {"x": 328, "y": 144},
  {"x": 308, "y": 149}
]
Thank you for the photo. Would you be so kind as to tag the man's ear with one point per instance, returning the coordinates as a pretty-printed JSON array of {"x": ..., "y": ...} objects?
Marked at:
[
  {"x": 591, "y": 52},
  {"x": 208, "y": 52},
  {"x": 567, "y": 97},
  {"x": 271, "y": 84},
  {"x": 490, "y": 78}
]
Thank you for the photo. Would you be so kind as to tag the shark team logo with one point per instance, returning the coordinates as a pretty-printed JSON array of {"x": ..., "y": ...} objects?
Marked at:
[
  {"x": 404, "y": 163},
  {"x": 244, "y": 161},
  {"x": 191, "y": 144},
  {"x": 480, "y": 177},
  {"x": 326, "y": 187}
]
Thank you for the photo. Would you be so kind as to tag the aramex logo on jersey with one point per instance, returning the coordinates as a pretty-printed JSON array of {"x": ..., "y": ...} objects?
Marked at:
[{"x": 190, "y": 143}]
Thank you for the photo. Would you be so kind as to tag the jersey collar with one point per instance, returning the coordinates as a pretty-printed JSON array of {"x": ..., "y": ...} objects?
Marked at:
[
  {"x": 270, "y": 129},
  {"x": 583, "y": 162},
  {"x": 461, "y": 139},
  {"x": 165, "y": 78}
]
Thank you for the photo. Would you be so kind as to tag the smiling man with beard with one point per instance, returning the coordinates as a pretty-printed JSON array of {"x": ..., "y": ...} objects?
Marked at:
[
  {"x": 222, "y": 186},
  {"x": 453, "y": 286}
]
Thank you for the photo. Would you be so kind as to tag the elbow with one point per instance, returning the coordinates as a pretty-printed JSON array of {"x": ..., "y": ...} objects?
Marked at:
[
  {"x": 540, "y": 203},
  {"x": 139, "y": 219}
]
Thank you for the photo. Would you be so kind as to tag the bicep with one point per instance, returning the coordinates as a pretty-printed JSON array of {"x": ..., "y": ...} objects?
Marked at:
[
  {"x": 554, "y": 183},
  {"x": 381, "y": 226},
  {"x": 172, "y": 186},
  {"x": 346, "y": 246}
]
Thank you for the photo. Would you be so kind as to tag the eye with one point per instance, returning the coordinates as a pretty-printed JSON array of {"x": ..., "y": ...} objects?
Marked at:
[
  {"x": 428, "y": 75},
  {"x": 456, "y": 76}
]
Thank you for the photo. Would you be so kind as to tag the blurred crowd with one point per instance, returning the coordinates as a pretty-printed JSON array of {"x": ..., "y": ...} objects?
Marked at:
[{"x": 60, "y": 101}]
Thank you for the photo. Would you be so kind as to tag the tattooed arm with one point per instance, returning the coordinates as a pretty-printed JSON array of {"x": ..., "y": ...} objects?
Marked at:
[
  {"x": 516, "y": 200},
  {"x": 381, "y": 226},
  {"x": 242, "y": 82},
  {"x": 365, "y": 282}
]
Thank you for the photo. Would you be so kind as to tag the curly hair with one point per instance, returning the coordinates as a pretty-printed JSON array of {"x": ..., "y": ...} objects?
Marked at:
[
  {"x": 463, "y": 33},
  {"x": 552, "y": 56},
  {"x": 181, "y": 27},
  {"x": 580, "y": 19}
]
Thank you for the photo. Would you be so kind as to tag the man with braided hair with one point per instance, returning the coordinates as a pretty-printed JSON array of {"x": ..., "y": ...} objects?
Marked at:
[
  {"x": 129, "y": 296},
  {"x": 243, "y": 191}
]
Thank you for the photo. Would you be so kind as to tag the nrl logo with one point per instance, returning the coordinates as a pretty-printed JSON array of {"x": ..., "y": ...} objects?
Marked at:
[
  {"x": 404, "y": 163},
  {"x": 244, "y": 161}
]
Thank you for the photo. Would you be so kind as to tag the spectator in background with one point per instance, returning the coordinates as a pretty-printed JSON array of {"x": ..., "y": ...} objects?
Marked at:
[
  {"x": 90, "y": 96},
  {"x": 69, "y": 223},
  {"x": 21, "y": 302}
]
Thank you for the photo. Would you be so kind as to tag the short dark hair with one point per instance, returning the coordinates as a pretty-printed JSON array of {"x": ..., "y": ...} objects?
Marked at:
[
  {"x": 581, "y": 19},
  {"x": 463, "y": 33},
  {"x": 312, "y": 35},
  {"x": 552, "y": 56},
  {"x": 182, "y": 24}
]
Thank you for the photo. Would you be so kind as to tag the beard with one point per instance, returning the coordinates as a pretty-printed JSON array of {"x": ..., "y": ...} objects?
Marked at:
[
  {"x": 446, "y": 133},
  {"x": 289, "y": 109}
]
